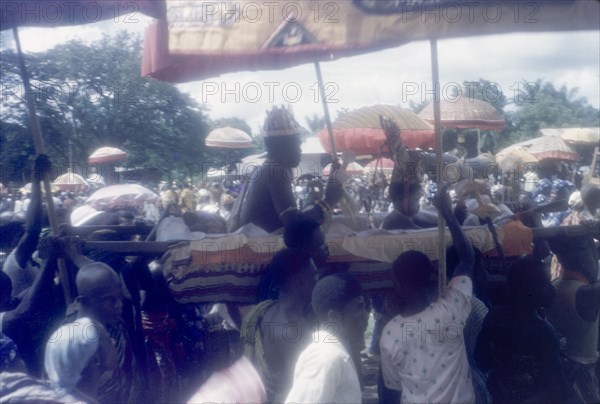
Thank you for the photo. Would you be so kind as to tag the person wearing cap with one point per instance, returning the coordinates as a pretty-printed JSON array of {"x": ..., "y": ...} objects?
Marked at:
[{"x": 267, "y": 200}]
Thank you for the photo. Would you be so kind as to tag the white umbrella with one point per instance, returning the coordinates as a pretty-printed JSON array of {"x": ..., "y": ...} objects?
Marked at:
[
  {"x": 107, "y": 155},
  {"x": 121, "y": 196},
  {"x": 70, "y": 181},
  {"x": 229, "y": 138}
]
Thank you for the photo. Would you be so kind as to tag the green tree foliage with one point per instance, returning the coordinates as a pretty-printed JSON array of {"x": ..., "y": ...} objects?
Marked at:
[
  {"x": 94, "y": 96},
  {"x": 315, "y": 122},
  {"x": 541, "y": 105}
]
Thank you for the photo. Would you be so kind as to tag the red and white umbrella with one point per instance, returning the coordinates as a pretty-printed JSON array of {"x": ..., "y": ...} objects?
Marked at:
[
  {"x": 360, "y": 131},
  {"x": 121, "y": 196},
  {"x": 229, "y": 138}
]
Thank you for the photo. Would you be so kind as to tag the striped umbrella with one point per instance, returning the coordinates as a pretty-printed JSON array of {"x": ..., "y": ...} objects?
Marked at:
[
  {"x": 465, "y": 112},
  {"x": 360, "y": 130},
  {"x": 545, "y": 148}
]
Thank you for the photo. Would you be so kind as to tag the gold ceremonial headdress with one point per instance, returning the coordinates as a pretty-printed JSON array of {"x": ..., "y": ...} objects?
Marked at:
[{"x": 280, "y": 121}]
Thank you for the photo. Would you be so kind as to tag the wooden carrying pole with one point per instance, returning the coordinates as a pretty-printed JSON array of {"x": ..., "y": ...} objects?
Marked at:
[
  {"x": 435, "y": 78},
  {"x": 161, "y": 247},
  {"x": 39, "y": 149}
]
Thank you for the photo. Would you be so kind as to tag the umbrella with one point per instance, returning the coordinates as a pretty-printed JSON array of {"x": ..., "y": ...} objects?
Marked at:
[
  {"x": 229, "y": 138},
  {"x": 575, "y": 135},
  {"x": 70, "y": 181},
  {"x": 383, "y": 163},
  {"x": 121, "y": 196},
  {"x": 15, "y": 13},
  {"x": 544, "y": 148},
  {"x": 465, "y": 112},
  {"x": 360, "y": 131},
  {"x": 107, "y": 155},
  {"x": 515, "y": 157},
  {"x": 26, "y": 189}
]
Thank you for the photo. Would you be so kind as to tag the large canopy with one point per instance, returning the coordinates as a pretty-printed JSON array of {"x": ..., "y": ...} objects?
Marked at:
[
  {"x": 57, "y": 13},
  {"x": 202, "y": 39}
]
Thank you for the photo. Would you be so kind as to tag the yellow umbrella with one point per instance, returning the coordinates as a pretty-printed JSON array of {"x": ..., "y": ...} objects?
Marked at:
[
  {"x": 581, "y": 135},
  {"x": 514, "y": 157}
]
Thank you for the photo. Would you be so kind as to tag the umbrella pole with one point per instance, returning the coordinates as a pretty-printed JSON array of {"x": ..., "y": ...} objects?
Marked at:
[
  {"x": 39, "y": 148},
  {"x": 326, "y": 110},
  {"x": 435, "y": 77}
]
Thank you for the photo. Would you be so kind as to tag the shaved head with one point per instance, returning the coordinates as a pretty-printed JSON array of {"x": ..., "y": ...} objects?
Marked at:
[
  {"x": 100, "y": 293},
  {"x": 95, "y": 277}
]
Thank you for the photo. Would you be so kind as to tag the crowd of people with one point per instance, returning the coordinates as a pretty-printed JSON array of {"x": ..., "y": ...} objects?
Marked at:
[{"x": 122, "y": 338}]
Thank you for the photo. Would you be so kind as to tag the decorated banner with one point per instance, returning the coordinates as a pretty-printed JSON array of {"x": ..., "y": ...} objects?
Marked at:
[{"x": 205, "y": 38}]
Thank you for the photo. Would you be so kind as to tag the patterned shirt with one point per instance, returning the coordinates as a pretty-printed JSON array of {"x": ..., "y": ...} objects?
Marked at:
[{"x": 424, "y": 355}]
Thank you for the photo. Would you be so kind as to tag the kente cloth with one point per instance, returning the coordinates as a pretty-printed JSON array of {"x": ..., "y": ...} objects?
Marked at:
[
  {"x": 252, "y": 341},
  {"x": 158, "y": 329},
  {"x": 126, "y": 384},
  {"x": 228, "y": 267},
  {"x": 572, "y": 219}
]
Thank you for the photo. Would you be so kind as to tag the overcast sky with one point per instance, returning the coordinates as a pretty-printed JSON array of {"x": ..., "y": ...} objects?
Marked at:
[{"x": 393, "y": 76}]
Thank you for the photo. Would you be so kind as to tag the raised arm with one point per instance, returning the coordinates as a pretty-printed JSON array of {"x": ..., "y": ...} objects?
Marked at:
[
  {"x": 463, "y": 247},
  {"x": 34, "y": 216}
]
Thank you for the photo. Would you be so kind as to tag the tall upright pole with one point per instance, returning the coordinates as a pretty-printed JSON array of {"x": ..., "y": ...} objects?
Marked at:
[
  {"x": 439, "y": 144},
  {"x": 39, "y": 149},
  {"x": 326, "y": 110}
]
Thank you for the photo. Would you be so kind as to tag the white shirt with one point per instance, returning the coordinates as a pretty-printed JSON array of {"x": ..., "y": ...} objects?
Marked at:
[
  {"x": 325, "y": 372},
  {"x": 424, "y": 354},
  {"x": 240, "y": 383}
]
